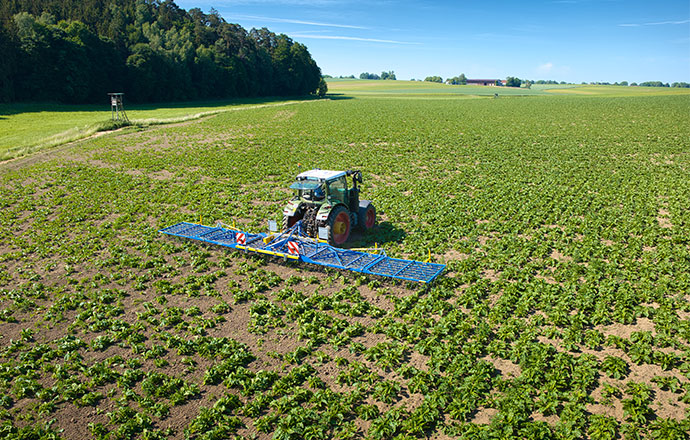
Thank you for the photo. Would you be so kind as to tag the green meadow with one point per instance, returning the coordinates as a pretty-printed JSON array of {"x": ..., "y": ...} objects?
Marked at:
[{"x": 25, "y": 128}]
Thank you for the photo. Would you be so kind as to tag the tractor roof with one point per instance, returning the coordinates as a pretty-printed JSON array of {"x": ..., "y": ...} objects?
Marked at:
[{"x": 318, "y": 174}]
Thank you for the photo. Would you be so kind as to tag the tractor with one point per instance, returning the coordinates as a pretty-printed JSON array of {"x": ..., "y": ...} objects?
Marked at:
[{"x": 327, "y": 207}]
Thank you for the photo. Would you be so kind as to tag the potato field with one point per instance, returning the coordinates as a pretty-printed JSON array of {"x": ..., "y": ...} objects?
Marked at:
[{"x": 563, "y": 313}]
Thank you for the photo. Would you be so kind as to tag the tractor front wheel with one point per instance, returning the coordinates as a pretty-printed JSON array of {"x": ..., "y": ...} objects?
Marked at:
[{"x": 339, "y": 226}]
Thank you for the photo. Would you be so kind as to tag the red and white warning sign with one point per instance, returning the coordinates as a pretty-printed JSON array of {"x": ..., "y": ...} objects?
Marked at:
[
  {"x": 241, "y": 238},
  {"x": 293, "y": 247}
]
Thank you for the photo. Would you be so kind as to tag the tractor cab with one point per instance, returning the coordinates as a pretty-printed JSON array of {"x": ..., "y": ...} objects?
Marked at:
[
  {"x": 321, "y": 185},
  {"x": 322, "y": 199}
]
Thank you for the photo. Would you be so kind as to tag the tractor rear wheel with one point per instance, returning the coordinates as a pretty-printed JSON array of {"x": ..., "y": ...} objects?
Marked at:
[
  {"x": 339, "y": 226},
  {"x": 367, "y": 219}
]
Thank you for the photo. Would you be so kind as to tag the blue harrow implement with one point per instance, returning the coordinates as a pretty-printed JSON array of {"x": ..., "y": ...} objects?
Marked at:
[{"x": 295, "y": 245}]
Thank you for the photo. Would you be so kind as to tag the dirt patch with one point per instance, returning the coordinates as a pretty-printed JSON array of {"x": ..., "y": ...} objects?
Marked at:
[
  {"x": 75, "y": 420},
  {"x": 284, "y": 115},
  {"x": 663, "y": 219},
  {"x": 505, "y": 367},
  {"x": 558, "y": 256},
  {"x": 551, "y": 419},
  {"x": 667, "y": 405},
  {"x": 624, "y": 331},
  {"x": 664, "y": 222},
  {"x": 483, "y": 416},
  {"x": 453, "y": 255},
  {"x": 418, "y": 360},
  {"x": 483, "y": 240},
  {"x": 491, "y": 275}
]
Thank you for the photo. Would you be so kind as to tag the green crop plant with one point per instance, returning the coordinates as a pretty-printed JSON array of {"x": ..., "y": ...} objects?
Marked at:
[{"x": 615, "y": 367}]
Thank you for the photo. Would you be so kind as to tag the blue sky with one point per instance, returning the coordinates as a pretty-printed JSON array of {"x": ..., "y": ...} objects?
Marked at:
[{"x": 564, "y": 40}]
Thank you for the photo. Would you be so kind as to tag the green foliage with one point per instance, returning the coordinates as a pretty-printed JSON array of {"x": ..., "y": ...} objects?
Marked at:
[
  {"x": 388, "y": 75},
  {"x": 615, "y": 367},
  {"x": 322, "y": 89},
  {"x": 153, "y": 51},
  {"x": 636, "y": 407},
  {"x": 512, "y": 81},
  {"x": 458, "y": 80},
  {"x": 602, "y": 427},
  {"x": 367, "y": 75}
]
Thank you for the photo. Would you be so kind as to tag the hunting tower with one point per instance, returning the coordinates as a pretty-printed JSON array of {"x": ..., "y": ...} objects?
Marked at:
[{"x": 117, "y": 108}]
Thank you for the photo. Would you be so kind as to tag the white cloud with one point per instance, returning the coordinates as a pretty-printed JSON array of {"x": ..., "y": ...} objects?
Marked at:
[
  {"x": 288, "y": 20},
  {"x": 657, "y": 23},
  {"x": 316, "y": 3},
  {"x": 341, "y": 37},
  {"x": 552, "y": 70},
  {"x": 545, "y": 68}
]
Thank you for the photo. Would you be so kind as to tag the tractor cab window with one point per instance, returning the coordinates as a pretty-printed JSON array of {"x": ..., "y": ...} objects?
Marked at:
[
  {"x": 337, "y": 190},
  {"x": 319, "y": 193},
  {"x": 308, "y": 190}
]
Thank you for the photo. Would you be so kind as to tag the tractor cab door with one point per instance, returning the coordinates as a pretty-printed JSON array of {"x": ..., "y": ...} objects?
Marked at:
[{"x": 337, "y": 191}]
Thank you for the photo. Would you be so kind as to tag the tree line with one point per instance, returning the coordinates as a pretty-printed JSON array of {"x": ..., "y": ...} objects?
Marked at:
[
  {"x": 384, "y": 75},
  {"x": 648, "y": 84},
  {"x": 76, "y": 51},
  {"x": 512, "y": 81}
]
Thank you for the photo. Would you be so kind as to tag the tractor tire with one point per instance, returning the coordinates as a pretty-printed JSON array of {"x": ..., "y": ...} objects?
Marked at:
[
  {"x": 339, "y": 226},
  {"x": 367, "y": 217},
  {"x": 309, "y": 223}
]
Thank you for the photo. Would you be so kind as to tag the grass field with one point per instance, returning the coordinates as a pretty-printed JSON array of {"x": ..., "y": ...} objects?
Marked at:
[
  {"x": 25, "y": 128},
  {"x": 564, "y": 312},
  {"x": 621, "y": 91}
]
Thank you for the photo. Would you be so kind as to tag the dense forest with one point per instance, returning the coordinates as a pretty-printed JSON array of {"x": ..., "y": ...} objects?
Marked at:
[{"x": 76, "y": 51}]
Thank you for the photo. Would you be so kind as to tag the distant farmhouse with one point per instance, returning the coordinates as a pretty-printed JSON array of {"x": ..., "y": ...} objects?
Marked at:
[{"x": 483, "y": 82}]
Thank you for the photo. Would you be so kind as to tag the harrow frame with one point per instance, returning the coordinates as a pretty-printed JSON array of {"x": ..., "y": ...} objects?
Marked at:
[{"x": 294, "y": 244}]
